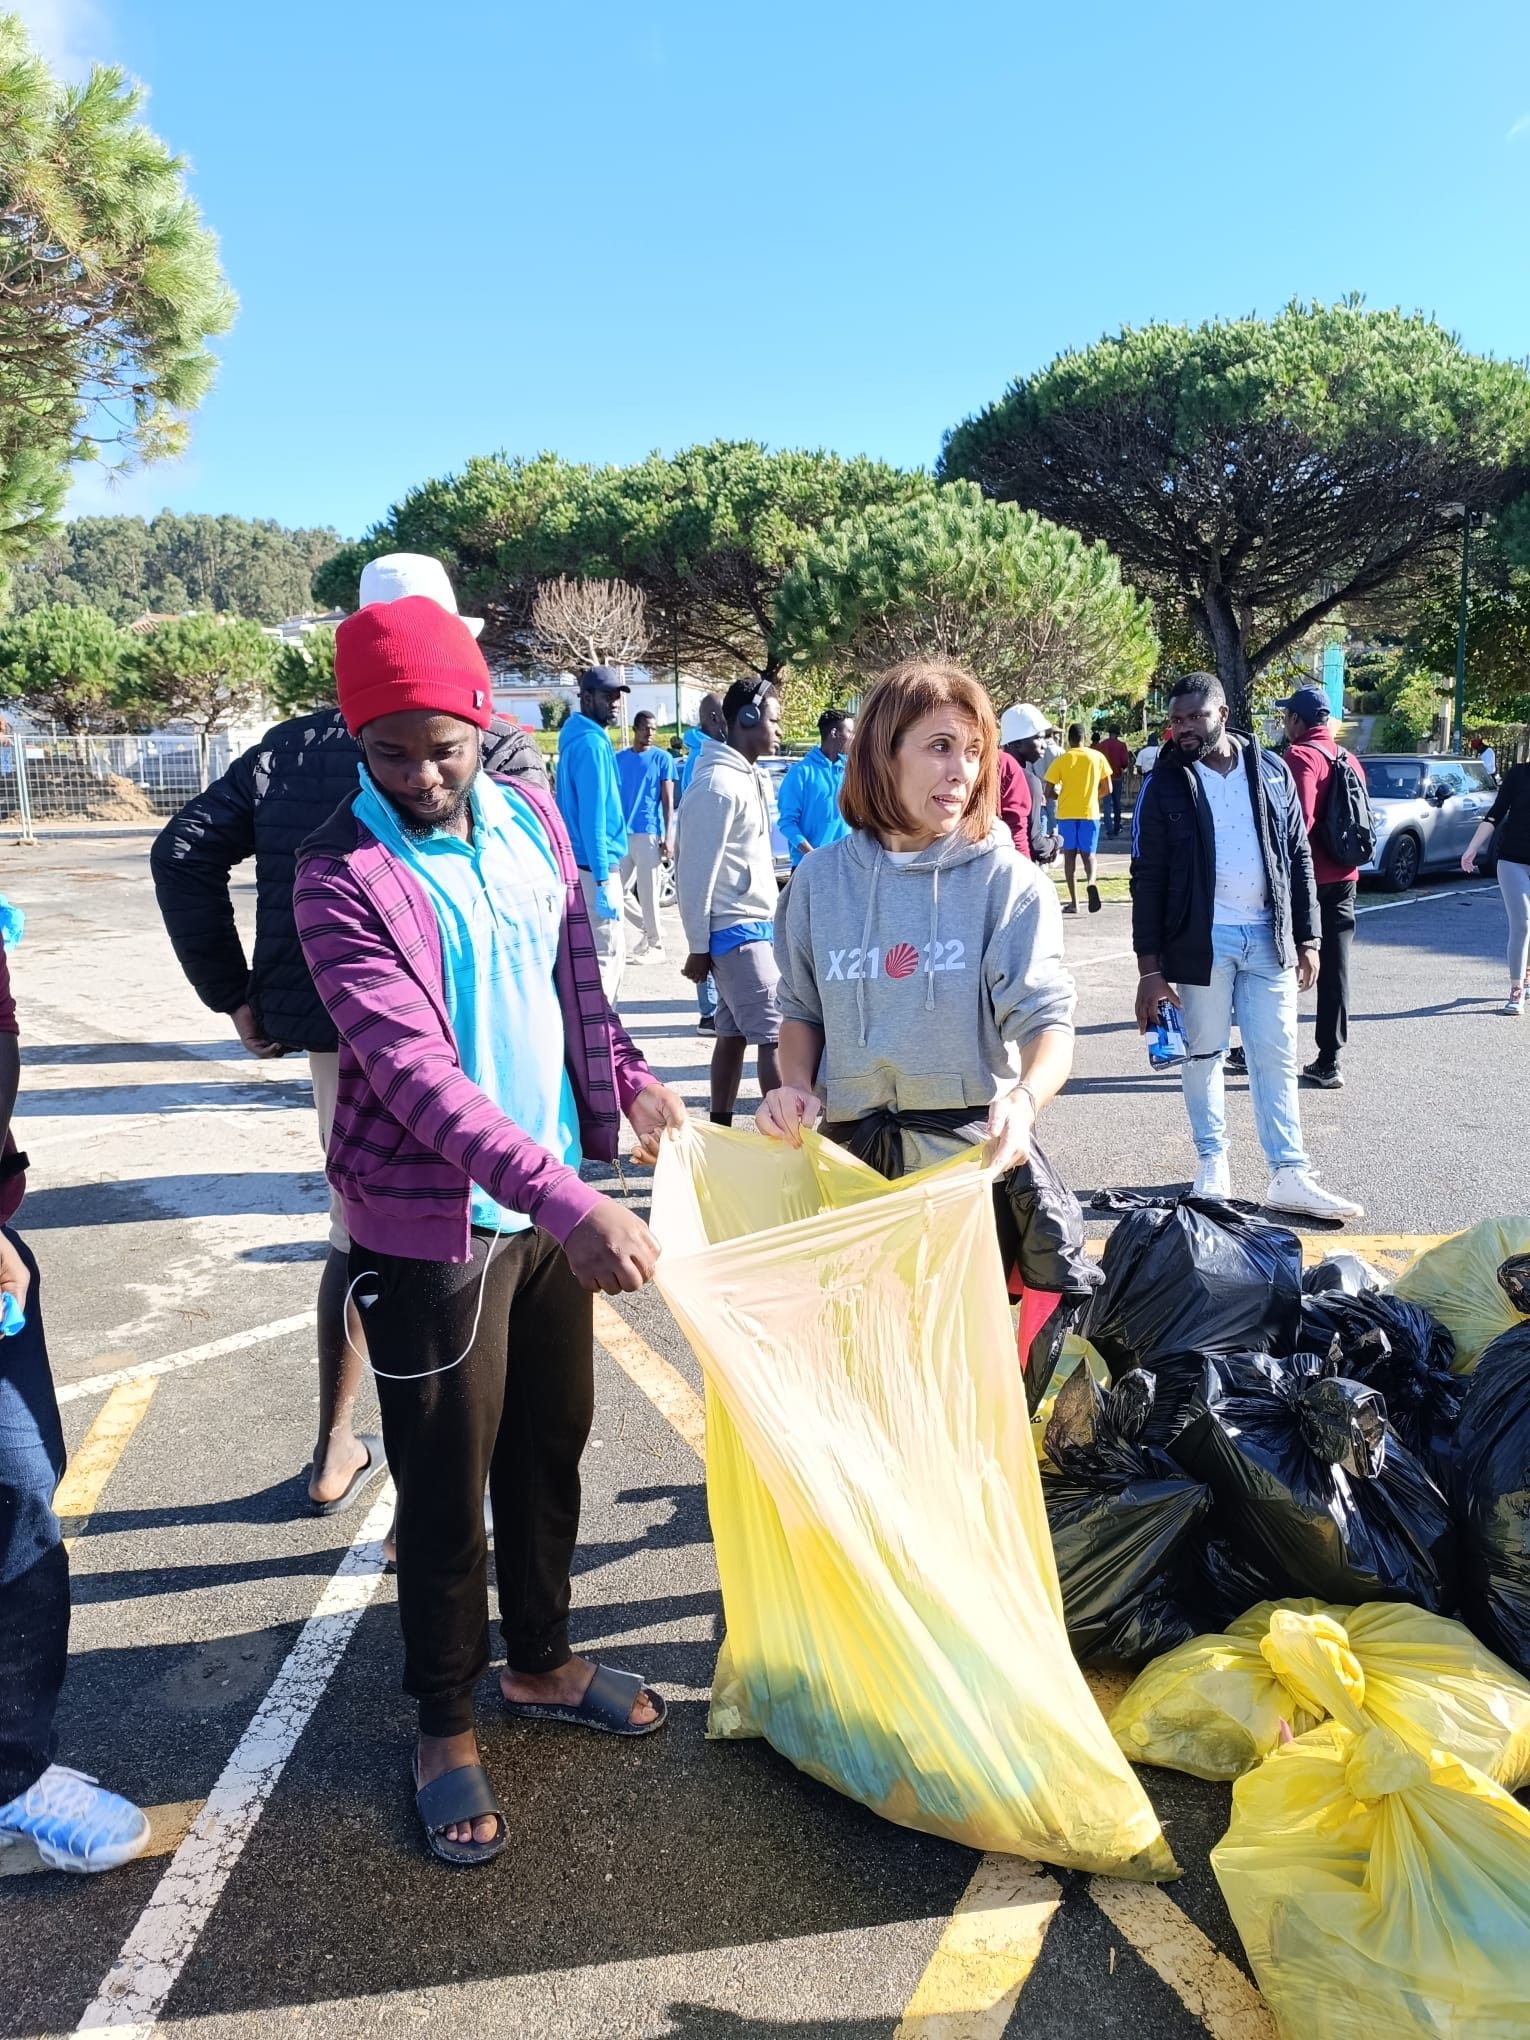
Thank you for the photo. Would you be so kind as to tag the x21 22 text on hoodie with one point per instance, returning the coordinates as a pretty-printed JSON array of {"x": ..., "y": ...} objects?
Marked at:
[{"x": 928, "y": 975}]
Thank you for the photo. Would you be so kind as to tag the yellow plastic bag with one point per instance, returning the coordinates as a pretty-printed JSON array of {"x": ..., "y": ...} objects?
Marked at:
[
  {"x": 1458, "y": 1282},
  {"x": 1214, "y": 1706},
  {"x": 894, "y": 1620},
  {"x": 1380, "y": 1893}
]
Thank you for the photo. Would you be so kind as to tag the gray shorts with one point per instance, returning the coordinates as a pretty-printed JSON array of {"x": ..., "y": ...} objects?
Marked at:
[{"x": 746, "y": 980}]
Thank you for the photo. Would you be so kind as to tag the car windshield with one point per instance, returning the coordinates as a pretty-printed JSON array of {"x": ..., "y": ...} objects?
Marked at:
[{"x": 1393, "y": 778}]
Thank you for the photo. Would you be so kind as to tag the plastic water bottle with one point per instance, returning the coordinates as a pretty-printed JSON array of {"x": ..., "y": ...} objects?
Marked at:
[{"x": 1166, "y": 1041}]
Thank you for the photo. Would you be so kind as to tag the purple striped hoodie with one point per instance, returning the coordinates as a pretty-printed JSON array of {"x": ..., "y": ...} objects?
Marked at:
[{"x": 411, "y": 1130}]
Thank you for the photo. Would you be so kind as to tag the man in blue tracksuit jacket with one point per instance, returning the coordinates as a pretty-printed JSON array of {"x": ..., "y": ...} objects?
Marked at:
[
  {"x": 807, "y": 806},
  {"x": 590, "y": 801}
]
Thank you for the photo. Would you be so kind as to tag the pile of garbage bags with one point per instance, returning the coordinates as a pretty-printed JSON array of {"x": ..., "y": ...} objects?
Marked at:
[
  {"x": 1375, "y": 1874},
  {"x": 894, "y": 1618},
  {"x": 1320, "y": 1436}
]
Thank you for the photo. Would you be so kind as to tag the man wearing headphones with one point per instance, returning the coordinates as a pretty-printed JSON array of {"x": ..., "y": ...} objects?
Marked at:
[{"x": 725, "y": 880}]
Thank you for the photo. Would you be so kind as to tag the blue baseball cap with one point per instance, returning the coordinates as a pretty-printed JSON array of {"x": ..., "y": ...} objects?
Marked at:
[{"x": 1306, "y": 702}]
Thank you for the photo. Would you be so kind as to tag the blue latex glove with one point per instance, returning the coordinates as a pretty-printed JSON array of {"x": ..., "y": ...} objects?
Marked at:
[
  {"x": 12, "y": 922},
  {"x": 12, "y": 1316},
  {"x": 604, "y": 911}
]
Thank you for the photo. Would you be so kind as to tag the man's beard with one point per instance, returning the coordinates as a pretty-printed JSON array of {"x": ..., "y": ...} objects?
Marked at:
[
  {"x": 420, "y": 826},
  {"x": 1201, "y": 744}
]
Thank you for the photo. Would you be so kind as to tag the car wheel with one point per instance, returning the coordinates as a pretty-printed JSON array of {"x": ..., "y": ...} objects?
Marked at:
[{"x": 1399, "y": 871}]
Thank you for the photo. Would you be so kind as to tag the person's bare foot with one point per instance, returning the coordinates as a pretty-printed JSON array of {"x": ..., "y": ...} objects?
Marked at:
[
  {"x": 331, "y": 1475},
  {"x": 438, "y": 1754},
  {"x": 566, "y": 1687}
]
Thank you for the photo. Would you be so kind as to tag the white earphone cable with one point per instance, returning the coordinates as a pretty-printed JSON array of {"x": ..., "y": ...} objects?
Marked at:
[{"x": 425, "y": 1373}]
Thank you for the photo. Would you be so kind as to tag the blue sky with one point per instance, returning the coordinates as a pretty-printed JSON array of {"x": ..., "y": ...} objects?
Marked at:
[{"x": 603, "y": 229}]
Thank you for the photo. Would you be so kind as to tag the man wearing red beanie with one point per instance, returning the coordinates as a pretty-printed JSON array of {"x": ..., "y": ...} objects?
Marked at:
[{"x": 442, "y": 919}]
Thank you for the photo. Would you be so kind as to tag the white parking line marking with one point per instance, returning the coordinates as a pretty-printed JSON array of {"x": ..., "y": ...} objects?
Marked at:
[
  {"x": 172, "y": 1363},
  {"x": 134, "y": 1992},
  {"x": 1422, "y": 899}
]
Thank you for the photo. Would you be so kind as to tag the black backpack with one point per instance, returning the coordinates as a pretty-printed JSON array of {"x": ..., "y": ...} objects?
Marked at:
[{"x": 1346, "y": 828}]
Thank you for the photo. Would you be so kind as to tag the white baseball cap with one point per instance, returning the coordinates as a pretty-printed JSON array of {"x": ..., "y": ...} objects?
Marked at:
[
  {"x": 398, "y": 574},
  {"x": 1020, "y": 722}
]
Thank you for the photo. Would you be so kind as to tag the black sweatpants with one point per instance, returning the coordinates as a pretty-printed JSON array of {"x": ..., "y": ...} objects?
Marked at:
[
  {"x": 516, "y": 1413},
  {"x": 1336, "y": 907}
]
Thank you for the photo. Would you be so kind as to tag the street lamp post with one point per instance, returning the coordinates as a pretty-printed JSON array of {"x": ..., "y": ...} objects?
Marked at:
[{"x": 1458, "y": 721}]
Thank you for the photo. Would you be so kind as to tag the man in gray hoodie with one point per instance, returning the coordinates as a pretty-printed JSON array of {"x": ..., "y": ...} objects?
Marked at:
[{"x": 725, "y": 882}]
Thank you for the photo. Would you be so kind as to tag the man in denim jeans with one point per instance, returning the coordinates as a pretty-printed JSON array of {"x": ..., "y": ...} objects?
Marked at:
[
  {"x": 69, "y": 1820},
  {"x": 1225, "y": 908}
]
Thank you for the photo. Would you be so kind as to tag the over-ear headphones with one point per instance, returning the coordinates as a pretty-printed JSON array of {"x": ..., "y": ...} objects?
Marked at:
[{"x": 751, "y": 715}]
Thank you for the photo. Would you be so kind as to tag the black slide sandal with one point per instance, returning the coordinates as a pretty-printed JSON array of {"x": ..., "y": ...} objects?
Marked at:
[{"x": 457, "y": 1796}]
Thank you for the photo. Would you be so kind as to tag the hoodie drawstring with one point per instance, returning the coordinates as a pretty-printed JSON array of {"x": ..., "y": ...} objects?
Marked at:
[
  {"x": 929, "y": 990},
  {"x": 871, "y": 907}
]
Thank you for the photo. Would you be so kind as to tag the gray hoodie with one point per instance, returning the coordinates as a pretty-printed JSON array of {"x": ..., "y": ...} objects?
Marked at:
[
  {"x": 724, "y": 870},
  {"x": 926, "y": 977}
]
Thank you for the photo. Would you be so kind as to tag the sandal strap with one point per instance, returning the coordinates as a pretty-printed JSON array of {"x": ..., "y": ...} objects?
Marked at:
[
  {"x": 611, "y": 1695},
  {"x": 457, "y": 1796}
]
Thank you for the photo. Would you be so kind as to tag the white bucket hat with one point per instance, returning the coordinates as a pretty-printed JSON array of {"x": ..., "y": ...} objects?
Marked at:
[
  {"x": 1020, "y": 722},
  {"x": 396, "y": 575}
]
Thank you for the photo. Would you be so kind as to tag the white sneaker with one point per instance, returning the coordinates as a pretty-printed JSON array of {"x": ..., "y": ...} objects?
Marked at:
[
  {"x": 1212, "y": 1178},
  {"x": 648, "y": 952},
  {"x": 73, "y": 1824},
  {"x": 1299, "y": 1192}
]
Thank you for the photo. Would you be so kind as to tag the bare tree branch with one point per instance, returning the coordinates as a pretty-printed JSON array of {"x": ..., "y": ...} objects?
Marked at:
[{"x": 576, "y": 623}]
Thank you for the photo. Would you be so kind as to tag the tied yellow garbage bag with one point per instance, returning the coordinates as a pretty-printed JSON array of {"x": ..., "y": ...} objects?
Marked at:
[
  {"x": 1477, "y": 1285},
  {"x": 1379, "y": 1892},
  {"x": 1214, "y": 1706},
  {"x": 894, "y": 1625}
]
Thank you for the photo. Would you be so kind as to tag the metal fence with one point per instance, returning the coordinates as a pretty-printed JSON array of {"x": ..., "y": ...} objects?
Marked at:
[{"x": 104, "y": 779}]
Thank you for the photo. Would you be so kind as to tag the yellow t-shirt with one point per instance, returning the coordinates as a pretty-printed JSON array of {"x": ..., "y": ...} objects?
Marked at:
[{"x": 1080, "y": 774}]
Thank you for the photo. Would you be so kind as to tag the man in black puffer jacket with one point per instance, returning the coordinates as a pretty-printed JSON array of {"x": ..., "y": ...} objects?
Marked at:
[
  {"x": 267, "y": 802},
  {"x": 1225, "y": 925}
]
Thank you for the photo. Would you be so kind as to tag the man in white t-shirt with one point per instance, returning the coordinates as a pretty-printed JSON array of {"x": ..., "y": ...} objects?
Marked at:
[{"x": 1225, "y": 924}]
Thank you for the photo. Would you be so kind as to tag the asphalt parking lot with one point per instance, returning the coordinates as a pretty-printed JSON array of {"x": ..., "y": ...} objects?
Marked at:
[{"x": 235, "y": 1660}]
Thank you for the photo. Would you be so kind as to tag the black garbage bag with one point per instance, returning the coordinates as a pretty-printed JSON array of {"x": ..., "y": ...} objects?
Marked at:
[
  {"x": 1313, "y": 1487},
  {"x": 1195, "y": 1274},
  {"x": 1343, "y": 1271},
  {"x": 1041, "y": 1230},
  {"x": 1125, "y": 1524},
  {"x": 1492, "y": 1489},
  {"x": 1045, "y": 1349},
  {"x": 1402, "y": 1352},
  {"x": 1228, "y": 1582}
]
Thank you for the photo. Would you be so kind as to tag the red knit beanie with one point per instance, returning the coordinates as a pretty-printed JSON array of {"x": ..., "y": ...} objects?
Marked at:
[{"x": 409, "y": 654}]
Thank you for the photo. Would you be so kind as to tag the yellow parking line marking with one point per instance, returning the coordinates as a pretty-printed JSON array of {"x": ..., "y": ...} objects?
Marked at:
[
  {"x": 665, "y": 1386},
  {"x": 169, "y": 1826},
  {"x": 1175, "y": 1949},
  {"x": 973, "y": 1980},
  {"x": 91, "y": 1467},
  {"x": 1399, "y": 1248}
]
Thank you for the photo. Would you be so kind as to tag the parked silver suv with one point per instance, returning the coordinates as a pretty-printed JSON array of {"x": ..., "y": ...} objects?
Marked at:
[{"x": 1426, "y": 810}]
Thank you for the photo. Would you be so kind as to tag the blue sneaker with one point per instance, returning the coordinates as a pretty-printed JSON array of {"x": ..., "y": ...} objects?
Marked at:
[{"x": 73, "y": 1824}]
